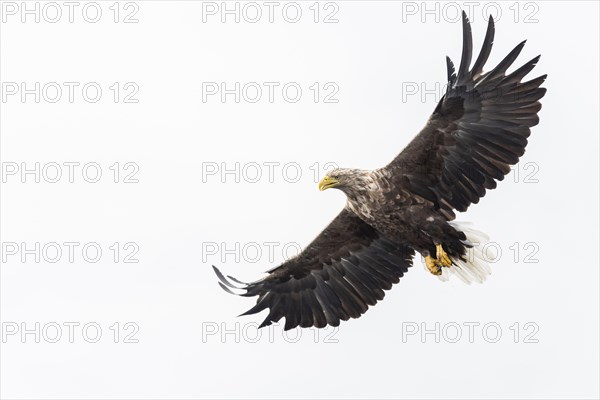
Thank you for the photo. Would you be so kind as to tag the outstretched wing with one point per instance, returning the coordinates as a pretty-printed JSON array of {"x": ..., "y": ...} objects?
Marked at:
[
  {"x": 478, "y": 130},
  {"x": 342, "y": 272}
]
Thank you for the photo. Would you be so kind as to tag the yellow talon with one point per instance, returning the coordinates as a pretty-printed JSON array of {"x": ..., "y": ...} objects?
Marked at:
[
  {"x": 442, "y": 258},
  {"x": 432, "y": 265}
]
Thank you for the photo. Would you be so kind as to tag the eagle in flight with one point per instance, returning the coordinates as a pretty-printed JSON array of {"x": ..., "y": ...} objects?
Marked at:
[{"x": 477, "y": 131}]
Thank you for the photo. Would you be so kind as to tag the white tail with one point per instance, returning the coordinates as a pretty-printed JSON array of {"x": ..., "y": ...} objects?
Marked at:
[{"x": 476, "y": 267}]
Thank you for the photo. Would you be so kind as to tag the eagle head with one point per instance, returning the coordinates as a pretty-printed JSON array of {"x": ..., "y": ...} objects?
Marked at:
[{"x": 346, "y": 180}]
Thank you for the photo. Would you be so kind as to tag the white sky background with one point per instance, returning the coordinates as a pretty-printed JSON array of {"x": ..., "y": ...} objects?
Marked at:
[{"x": 180, "y": 222}]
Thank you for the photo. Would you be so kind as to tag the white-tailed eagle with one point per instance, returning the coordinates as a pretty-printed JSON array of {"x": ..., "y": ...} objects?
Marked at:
[{"x": 477, "y": 131}]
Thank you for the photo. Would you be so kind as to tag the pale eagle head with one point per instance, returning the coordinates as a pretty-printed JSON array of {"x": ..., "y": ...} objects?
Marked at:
[{"x": 347, "y": 180}]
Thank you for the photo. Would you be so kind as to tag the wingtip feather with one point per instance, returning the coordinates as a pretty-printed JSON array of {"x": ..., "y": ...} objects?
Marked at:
[
  {"x": 223, "y": 279},
  {"x": 225, "y": 288},
  {"x": 467, "y": 51}
]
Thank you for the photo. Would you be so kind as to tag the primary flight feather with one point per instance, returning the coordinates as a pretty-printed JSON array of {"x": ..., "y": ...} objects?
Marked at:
[{"x": 477, "y": 131}]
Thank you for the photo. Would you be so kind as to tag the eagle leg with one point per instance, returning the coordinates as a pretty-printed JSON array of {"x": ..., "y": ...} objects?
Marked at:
[
  {"x": 442, "y": 256},
  {"x": 434, "y": 265}
]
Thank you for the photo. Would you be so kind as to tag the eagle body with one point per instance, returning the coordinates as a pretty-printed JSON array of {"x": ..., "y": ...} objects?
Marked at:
[
  {"x": 399, "y": 214},
  {"x": 477, "y": 131}
]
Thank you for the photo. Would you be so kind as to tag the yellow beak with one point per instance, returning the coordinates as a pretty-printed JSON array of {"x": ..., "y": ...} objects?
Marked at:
[{"x": 328, "y": 182}]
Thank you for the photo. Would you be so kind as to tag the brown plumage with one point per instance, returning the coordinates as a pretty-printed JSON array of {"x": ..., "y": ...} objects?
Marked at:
[{"x": 477, "y": 131}]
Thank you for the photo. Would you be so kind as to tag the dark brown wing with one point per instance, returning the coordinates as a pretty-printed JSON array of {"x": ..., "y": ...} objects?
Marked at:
[
  {"x": 342, "y": 272},
  {"x": 479, "y": 128}
]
